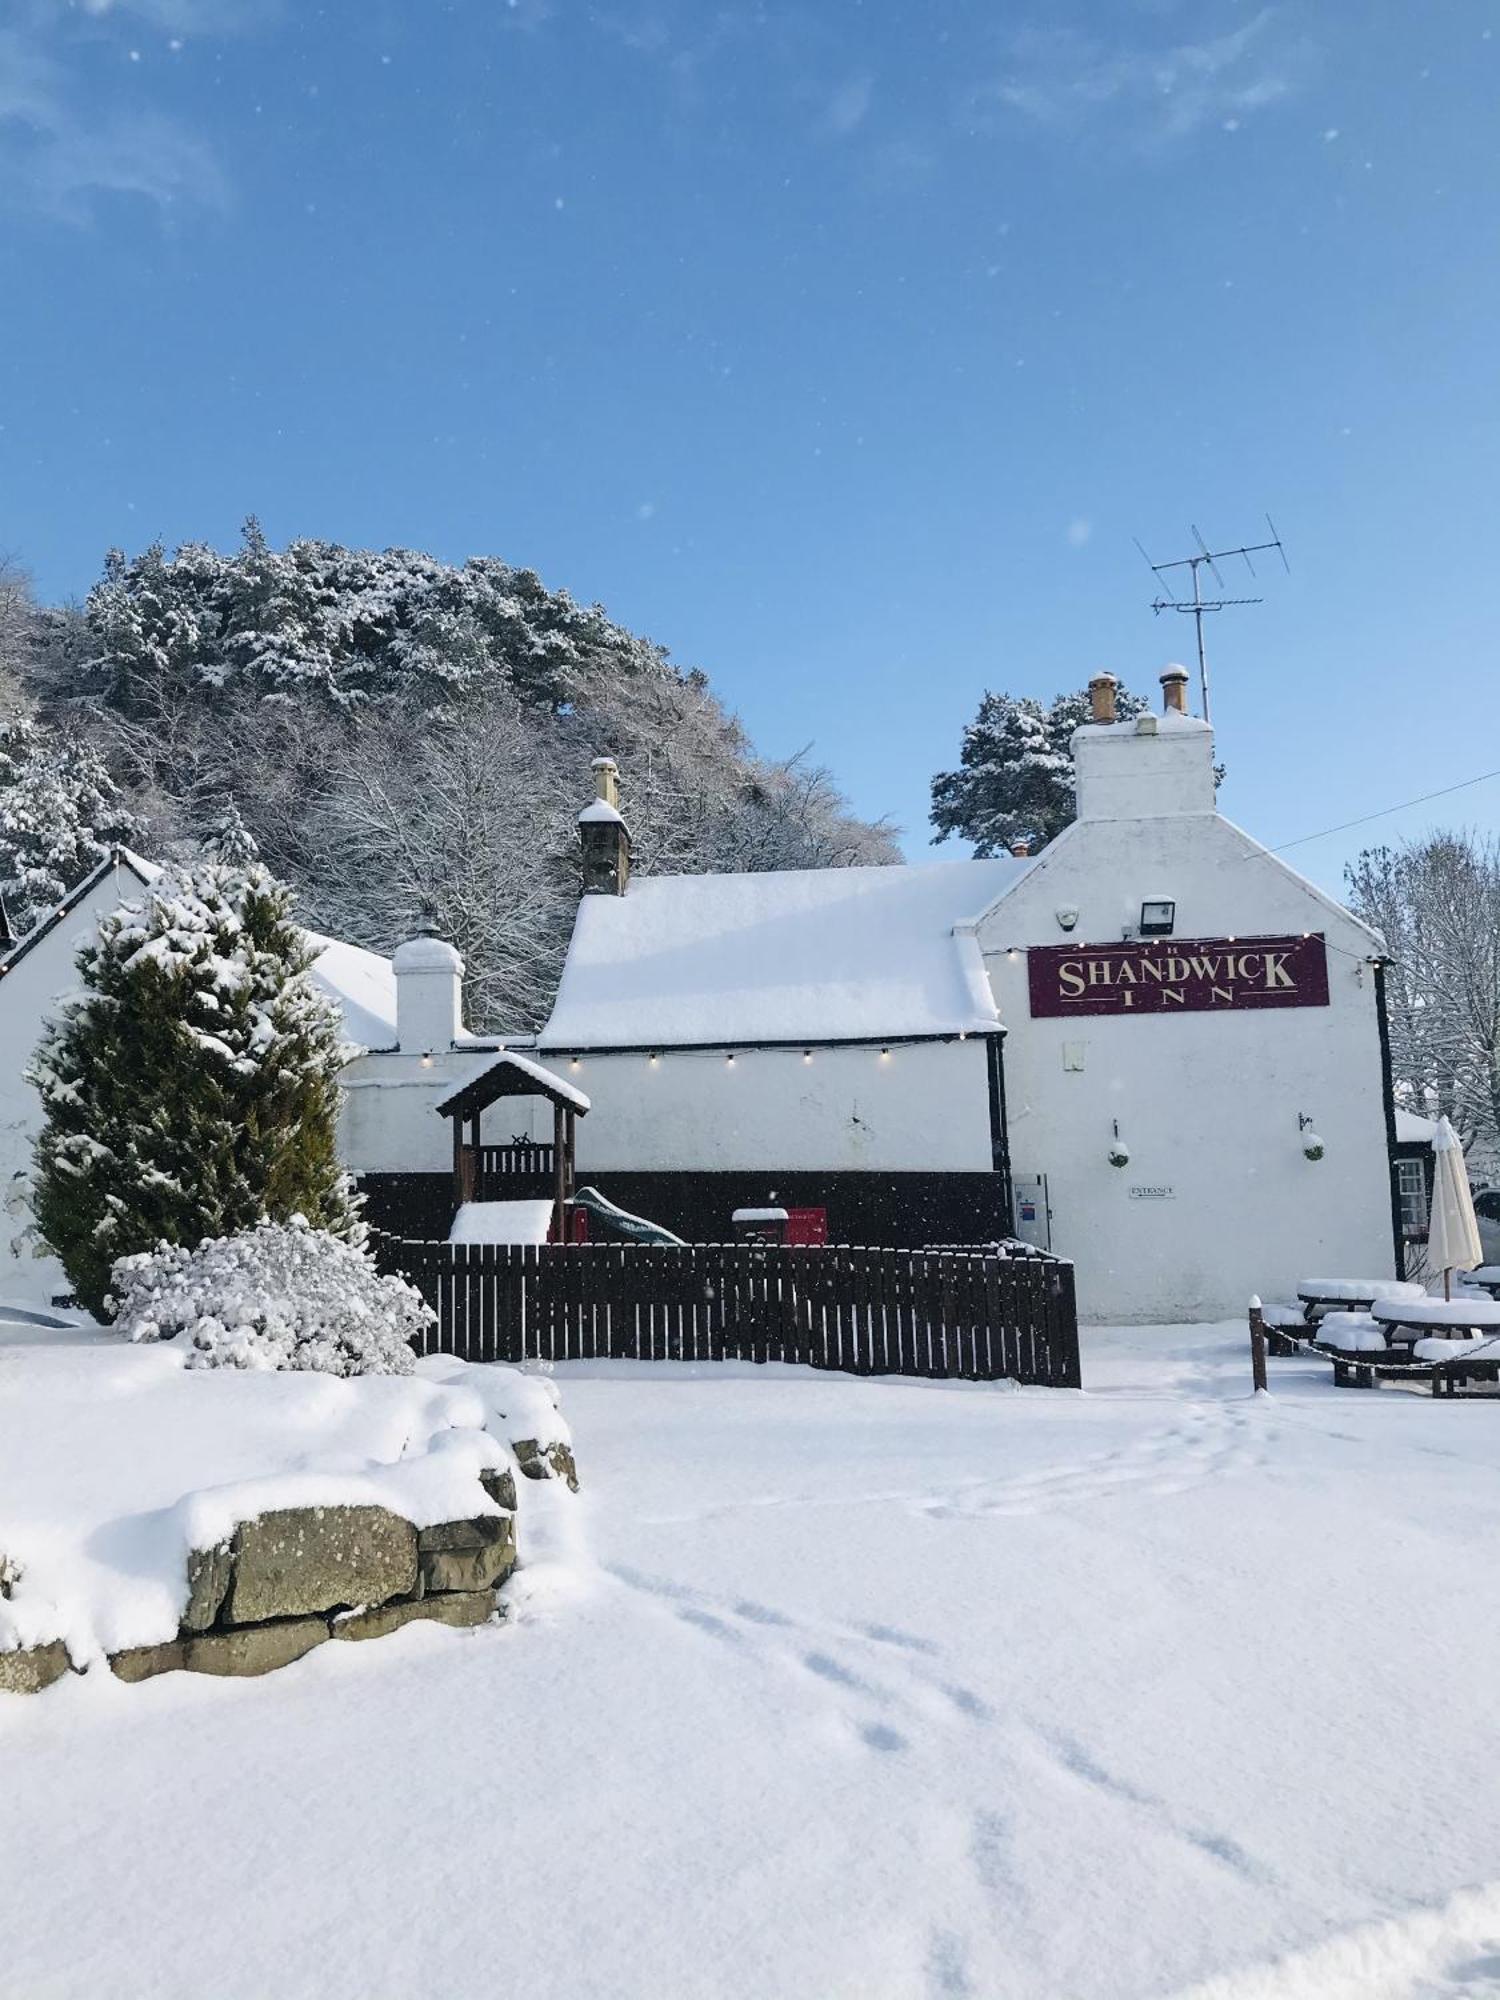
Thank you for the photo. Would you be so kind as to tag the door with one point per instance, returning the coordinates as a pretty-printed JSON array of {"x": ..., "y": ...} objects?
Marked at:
[{"x": 1033, "y": 1211}]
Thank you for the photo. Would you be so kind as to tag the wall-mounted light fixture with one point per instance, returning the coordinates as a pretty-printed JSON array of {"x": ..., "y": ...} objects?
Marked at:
[{"x": 1158, "y": 916}]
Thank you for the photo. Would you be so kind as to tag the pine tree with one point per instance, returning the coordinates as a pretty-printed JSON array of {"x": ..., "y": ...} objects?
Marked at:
[
  {"x": 60, "y": 815},
  {"x": 191, "y": 1088},
  {"x": 1015, "y": 777},
  {"x": 230, "y": 841}
]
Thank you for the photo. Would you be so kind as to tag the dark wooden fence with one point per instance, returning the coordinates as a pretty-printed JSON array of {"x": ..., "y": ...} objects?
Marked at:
[{"x": 977, "y": 1314}]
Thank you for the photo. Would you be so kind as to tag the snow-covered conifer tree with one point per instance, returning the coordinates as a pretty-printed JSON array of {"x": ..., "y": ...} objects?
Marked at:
[
  {"x": 1015, "y": 776},
  {"x": 230, "y": 841},
  {"x": 191, "y": 1088}
]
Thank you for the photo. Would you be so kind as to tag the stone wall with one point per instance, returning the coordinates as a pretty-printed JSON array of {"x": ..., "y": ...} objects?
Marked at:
[{"x": 291, "y": 1578}]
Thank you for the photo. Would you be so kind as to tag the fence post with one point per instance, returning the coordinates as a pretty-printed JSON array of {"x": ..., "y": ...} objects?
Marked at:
[
  {"x": 1067, "y": 1370},
  {"x": 1257, "y": 1347}
]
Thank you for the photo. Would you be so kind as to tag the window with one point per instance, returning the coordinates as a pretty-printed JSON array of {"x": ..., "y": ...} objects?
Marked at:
[{"x": 1411, "y": 1187}]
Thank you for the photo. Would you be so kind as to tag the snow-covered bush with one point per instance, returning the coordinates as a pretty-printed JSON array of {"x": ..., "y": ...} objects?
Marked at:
[{"x": 281, "y": 1295}]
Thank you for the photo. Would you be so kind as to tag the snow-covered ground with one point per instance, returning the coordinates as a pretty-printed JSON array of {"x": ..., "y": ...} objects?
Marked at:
[{"x": 853, "y": 1688}]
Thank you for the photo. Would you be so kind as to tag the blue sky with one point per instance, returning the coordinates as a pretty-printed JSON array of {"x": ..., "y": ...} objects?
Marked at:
[{"x": 843, "y": 348}]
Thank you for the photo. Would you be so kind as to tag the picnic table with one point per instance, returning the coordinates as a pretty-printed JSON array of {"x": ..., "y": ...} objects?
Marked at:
[
  {"x": 1406, "y": 1321},
  {"x": 1487, "y": 1277},
  {"x": 1325, "y": 1295},
  {"x": 1456, "y": 1363}
]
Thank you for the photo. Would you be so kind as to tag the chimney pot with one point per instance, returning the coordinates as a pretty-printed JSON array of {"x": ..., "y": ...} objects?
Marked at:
[
  {"x": 1020, "y": 847},
  {"x": 1174, "y": 687},
  {"x": 1102, "y": 697},
  {"x": 607, "y": 781}
]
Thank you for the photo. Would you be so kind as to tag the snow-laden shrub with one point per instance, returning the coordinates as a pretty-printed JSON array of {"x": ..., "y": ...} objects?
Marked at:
[{"x": 281, "y": 1295}]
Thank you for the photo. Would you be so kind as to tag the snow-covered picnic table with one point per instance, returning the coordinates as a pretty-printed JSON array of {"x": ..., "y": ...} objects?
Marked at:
[
  {"x": 1352, "y": 1333},
  {"x": 1486, "y": 1277},
  {"x": 1414, "y": 1318},
  {"x": 1321, "y": 1295},
  {"x": 1455, "y": 1363}
]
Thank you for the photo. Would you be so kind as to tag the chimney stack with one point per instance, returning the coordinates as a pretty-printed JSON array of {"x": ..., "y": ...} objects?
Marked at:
[
  {"x": 1020, "y": 847},
  {"x": 1102, "y": 697},
  {"x": 1174, "y": 687},
  {"x": 604, "y": 835},
  {"x": 429, "y": 995}
]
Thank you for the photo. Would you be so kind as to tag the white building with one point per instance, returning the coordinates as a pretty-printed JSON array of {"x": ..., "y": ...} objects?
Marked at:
[
  {"x": 1217, "y": 1053},
  {"x": 1128, "y": 1048},
  {"x": 1153, "y": 1048}
]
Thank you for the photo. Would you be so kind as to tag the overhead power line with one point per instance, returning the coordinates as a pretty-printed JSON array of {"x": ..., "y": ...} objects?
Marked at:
[{"x": 1384, "y": 812}]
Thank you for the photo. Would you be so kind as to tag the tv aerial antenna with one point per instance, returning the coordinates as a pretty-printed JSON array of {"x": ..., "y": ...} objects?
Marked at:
[{"x": 1197, "y": 605}]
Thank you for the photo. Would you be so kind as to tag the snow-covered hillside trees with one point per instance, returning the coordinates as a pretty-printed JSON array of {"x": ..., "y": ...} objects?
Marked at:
[
  {"x": 1437, "y": 904},
  {"x": 404, "y": 736},
  {"x": 60, "y": 814},
  {"x": 190, "y": 1089},
  {"x": 1015, "y": 772}
]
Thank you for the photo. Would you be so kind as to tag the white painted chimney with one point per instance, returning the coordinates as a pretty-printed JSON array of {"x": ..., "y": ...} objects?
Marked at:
[
  {"x": 1148, "y": 767},
  {"x": 429, "y": 995}
]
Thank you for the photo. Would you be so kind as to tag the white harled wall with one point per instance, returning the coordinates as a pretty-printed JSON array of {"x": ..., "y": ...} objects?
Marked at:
[
  {"x": 924, "y": 1107},
  {"x": 28, "y": 998},
  {"x": 1207, "y": 1103}
]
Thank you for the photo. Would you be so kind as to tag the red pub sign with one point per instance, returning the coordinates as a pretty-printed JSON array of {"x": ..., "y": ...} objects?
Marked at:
[{"x": 1178, "y": 975}]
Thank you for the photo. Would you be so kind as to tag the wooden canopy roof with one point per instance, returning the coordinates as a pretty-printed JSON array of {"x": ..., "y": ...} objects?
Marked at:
[{"x": 512, "y": 1075}]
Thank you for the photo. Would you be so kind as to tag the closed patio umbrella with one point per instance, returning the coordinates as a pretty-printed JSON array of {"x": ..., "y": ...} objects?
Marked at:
[{"x": 1452, "y": 1232}]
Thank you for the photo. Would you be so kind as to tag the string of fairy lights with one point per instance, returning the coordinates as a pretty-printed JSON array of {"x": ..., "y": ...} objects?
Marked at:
[{"x": 882, "y": 1051}]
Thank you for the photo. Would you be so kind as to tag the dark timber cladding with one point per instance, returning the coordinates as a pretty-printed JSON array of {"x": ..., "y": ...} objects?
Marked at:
[
  {"x": 966, "y": 1313},
  {"x": 904, "y": 1210}
]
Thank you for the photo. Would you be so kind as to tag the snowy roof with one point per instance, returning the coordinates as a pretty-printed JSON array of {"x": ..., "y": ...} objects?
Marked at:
[
  {"x": 827, "y": 954},
  {"x": 510, "y": 1075},
  {"x": 1412, "y": 1130},
  {"x": 362, "y": 985}
]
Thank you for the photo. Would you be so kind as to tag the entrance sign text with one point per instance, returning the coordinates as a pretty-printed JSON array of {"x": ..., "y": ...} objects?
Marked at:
[{"x": 1178, "y": 975}]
